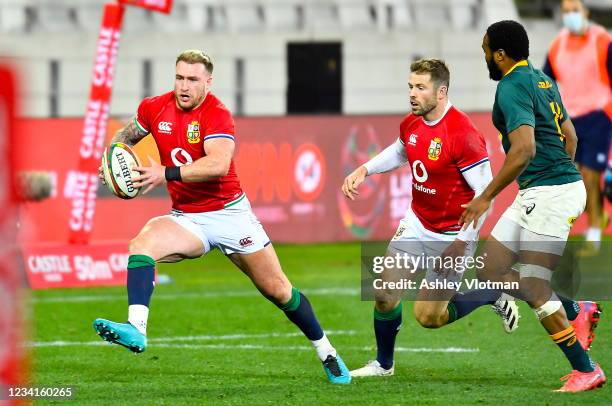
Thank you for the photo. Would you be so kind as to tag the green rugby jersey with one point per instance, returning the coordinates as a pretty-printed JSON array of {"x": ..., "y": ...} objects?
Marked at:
[{"x": 527, "y": 96}]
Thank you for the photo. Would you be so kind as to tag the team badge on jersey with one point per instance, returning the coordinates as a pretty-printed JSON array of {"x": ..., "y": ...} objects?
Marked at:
[
  {"x": 193, "y": 132},
  {"x": 435, "y": 149}
]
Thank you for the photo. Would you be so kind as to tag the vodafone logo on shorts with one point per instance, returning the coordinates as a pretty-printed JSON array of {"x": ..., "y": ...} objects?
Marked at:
[{"x": 309, "y": 172}]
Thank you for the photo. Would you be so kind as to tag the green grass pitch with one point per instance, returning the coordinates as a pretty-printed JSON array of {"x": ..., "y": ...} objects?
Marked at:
[{"x": 213, "y": 339}]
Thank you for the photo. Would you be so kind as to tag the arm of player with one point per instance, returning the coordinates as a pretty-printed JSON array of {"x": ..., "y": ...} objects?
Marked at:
[
  {"x": 216, "y": 163},
  {"x": 522, "y": 150},
  {"x": 478, "y": 178},
  {"x": 130, "y": 134},
  {"x": 571, "y": 139},
  {"x": 388, "y": 159}
]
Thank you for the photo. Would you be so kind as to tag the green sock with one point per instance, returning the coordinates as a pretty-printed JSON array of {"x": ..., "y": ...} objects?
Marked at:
[{"x": 576, "y": 355}]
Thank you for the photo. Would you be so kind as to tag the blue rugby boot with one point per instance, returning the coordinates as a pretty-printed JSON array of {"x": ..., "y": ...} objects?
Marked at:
[
  {"x": 124, "y": 334},
  {"x": 336, "y": 371}
]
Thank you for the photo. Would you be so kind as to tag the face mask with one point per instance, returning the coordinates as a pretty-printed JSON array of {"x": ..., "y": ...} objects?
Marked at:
[{"x": 573, "y": 21}]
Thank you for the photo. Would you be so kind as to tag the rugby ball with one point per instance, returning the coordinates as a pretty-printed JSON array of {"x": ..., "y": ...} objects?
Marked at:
[{"x": 117, "y": 163}]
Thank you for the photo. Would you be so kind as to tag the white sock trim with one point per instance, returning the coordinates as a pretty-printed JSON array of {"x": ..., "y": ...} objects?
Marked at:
[
  {"x": 323, "y": 348},
  {"x": 138, "y": 316},
  {"x": 593, "y": 234}
]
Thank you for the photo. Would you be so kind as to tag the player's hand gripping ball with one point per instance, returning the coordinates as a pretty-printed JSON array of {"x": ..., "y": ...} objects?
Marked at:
[{"x": 117, "y": 163}]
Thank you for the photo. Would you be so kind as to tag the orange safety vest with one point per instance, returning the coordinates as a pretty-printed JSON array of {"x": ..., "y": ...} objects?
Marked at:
[{"x": 579, "y": 65}]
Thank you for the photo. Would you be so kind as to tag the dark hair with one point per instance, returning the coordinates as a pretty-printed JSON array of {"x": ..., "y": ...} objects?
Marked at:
[
  {"x": 511, "y": 37},
  {"x": 436, "y": 68}
]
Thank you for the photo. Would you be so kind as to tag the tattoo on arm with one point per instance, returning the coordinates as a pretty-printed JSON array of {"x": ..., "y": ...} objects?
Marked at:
[{"x": 130, "y": 134}]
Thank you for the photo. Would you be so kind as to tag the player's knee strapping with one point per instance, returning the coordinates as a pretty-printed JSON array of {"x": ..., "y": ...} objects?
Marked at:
[
  {"x": 534, "y": 271},
  {"x": 550, "y": 307},
  {"x": 553, "y": 304},
  {"x": 140, "y": 279}
]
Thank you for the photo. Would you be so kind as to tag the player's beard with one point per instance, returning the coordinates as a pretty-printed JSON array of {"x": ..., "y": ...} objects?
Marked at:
[
  {"x": 494, "y": 72},
  {"x": 191, "y": 104},
  {"x": 425, "y": 108}
]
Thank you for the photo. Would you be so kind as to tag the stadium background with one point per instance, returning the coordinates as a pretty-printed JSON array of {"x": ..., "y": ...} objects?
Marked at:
[{"x": 316, "y": 87}]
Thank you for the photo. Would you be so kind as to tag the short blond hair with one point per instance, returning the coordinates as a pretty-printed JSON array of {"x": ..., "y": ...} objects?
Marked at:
[
  {"x": 436, "y": 68},
  {"x": 195, "y": 56}
]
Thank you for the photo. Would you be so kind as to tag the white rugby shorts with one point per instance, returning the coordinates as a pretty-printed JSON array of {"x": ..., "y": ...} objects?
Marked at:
[
  {"x": 414, "y": 239},
  {"x": 541, "y": 217},
  {"x": 234, "y": 229}
]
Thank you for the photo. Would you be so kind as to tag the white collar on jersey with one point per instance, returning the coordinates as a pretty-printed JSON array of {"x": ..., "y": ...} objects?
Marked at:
[{"x": 432, "y": 123}]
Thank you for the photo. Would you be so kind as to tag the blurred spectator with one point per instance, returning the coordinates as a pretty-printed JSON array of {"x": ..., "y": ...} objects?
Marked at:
[
  {"x": 579, "y": 59},
  {"x": 33, "y": 186}
]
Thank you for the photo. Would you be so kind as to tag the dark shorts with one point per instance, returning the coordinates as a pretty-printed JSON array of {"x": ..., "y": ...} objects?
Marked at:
[{"x": 593, "y": 130}]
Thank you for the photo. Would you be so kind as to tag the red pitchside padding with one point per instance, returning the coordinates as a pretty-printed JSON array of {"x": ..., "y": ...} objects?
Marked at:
[{"x": 290, "y": 167}]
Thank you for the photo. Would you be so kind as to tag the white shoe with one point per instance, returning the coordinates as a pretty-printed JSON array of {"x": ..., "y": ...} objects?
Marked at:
[
  {"x": 507, "y": 309},
  {"x": 373, "y": 368}
]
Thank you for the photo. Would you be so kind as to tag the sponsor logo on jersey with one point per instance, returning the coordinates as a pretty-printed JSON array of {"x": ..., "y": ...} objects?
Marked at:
[
  {"x": 435, "y": 149},
  {"x": 180, "y": 157},
  {"x": 544, "y": 84},
  {"x": 193, "y": 132},
  {"x": 164, "y": 127},
  {"x": 246, "y": 241},
  {"x": 419, "y": 172},
  {"x": 413, "y": 139},
  {"x": 424, "y": 189}
]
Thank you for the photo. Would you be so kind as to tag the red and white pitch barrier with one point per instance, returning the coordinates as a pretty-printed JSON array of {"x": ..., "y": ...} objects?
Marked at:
[
  {"x": 77, "y": 262},
  {"x": 94, "y": 125}
]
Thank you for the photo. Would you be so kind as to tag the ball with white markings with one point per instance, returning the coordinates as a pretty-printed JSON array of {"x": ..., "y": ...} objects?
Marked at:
[{"x": 117, "y": 163}]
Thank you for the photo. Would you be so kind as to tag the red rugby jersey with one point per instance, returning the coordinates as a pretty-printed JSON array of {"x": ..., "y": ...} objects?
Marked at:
[
  {"x": 180, "y": 137},
  {"x": 438, "y": 154}
]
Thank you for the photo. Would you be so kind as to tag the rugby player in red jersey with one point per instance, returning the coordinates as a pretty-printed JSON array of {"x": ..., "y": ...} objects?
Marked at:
[
  {"x": 449, "y": 163},
  {"x": 194, "y": 133}
]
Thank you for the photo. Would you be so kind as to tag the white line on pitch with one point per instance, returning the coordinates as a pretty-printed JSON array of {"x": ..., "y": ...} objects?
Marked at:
[
  {"x": 241, "y": 336},
  {"x": 203, "y": 295},
  {"x": 209, "y": 337},
  {"x": 258, "y": 347},
  {"x": 307, "y": 348}
]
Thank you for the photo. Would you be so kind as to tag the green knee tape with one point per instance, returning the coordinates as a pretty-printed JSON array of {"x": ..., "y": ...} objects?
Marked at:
[
  {"x": 390, "y": 315},
  {"x": 137, "y": 261},
  {"x": 293, "y": 303}
]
